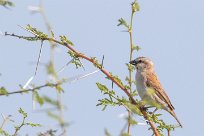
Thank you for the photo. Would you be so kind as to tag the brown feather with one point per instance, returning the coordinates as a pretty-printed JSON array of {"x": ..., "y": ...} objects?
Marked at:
[{"x": 153, "y": 82}]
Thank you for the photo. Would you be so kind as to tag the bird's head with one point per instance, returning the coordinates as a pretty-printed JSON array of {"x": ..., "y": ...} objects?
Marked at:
[{"x": 142, "y": 64}]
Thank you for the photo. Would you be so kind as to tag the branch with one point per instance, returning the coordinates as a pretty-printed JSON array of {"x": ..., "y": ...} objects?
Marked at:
[
  {"x": 30, "y": 90},
  {"x": 21, "y": 37}
]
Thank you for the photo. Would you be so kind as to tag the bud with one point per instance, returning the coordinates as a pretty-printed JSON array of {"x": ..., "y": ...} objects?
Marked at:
[{"x": 135, "y": 7}]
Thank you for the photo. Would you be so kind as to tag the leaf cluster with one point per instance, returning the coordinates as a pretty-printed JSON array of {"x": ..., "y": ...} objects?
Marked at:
[
  {"x": 19, "y": 126},
  {"x": 64, "y": 39},
  {"x": 3, "y": 91},
  {"x": 39, "y": 34},
  {"x": 114, "y": 100},
  {"x": 75, "y": 59},
  {"x": 6, "y": 3},
  {"x": 54, "y": 103},
  {"x": 161, "y": 125}
]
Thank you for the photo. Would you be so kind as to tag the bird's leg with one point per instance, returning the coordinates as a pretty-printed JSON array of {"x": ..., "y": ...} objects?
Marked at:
[
  {"x": 154, "y": 110},
  {"x": 149, "y": 107},
  {"x": 143, "y": 106},
  {"x": 146, "y": 107},
  {"x": 152, "y": 113}
]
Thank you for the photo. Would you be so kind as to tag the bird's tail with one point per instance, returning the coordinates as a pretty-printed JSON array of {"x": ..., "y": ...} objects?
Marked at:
[{"x": 174, "y": 115}]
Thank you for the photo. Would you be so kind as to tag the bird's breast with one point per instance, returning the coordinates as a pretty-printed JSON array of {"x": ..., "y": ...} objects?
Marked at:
[{"x": 140, "y": 84}]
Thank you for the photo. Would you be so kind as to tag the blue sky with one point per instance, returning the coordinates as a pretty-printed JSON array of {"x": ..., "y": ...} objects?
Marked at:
[{"x": 168, "y": 32}]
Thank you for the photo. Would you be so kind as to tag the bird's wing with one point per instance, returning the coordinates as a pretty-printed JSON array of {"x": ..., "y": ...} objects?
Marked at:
[{"x": 153, "y": 82}]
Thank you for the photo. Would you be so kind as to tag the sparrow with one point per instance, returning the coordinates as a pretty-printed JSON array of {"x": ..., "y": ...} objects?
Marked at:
[{"x": 149, "y": 87}]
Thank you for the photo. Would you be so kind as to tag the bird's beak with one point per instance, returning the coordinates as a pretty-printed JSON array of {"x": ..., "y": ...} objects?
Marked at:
[{"x": 133, "y": 62}]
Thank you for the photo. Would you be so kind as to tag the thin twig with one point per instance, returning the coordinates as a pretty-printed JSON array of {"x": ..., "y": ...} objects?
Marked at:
[
  {"x": 168, "y": 130},
  {"x": 130, "y": 59},
  {"x": 62, "y": 69},
  {"x": 5, "y": 119},
  {"x": 19, "y": 127},
  {"x": 30, "y": 90},
  {"x": 20, "y": 37}
]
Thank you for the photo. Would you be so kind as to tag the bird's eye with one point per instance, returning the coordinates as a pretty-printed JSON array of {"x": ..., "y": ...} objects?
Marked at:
[{"x": 139, "y": 61}]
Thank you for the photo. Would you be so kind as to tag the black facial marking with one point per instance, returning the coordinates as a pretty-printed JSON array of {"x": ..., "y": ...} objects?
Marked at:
[
  {"x": 139, "y": 61},
  {"x": 133, "y": 62}
]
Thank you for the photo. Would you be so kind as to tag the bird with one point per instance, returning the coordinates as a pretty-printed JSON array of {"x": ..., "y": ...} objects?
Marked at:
[{"x": 149, "y": 87}]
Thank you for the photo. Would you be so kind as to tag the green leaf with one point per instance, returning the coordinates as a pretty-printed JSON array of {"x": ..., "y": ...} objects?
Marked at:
[
  {"x": 96, "y": 63},
  {"x": 54, "y": 116},
  {"x": 134, "y": 93},
  {"x": 104, "y": 108},
  {"x": 77, "y": 63},
  {"x": 6, "y": 3},
  {"x": 135, "y": 6},
  {"x": 125, "y": 134},
  {"x": 39, "y": 34},
  {"x": 123, "y": 23},
  {"x": 59, "y": 88},
  {"x": 52, "y": 34},
  {"x": 51, "y": 101},
  {"x": 33, "y": 124},
  {"x": 130, "y": 67},
  {"x": 75, "y": 60},
  {"x": 3, "y": 133},
  {"x": 64, "y": 39},
  {"x": 135, "y": 47},
  {"x": 72, "y": 54},
  {"x": 102, "y": 87},
  {"x": 133, "y": 108},
  {"x": 123, "y": 100},
  {"x": 107, "y": 133},
  {"x": 3, "y": 91},
  {"x": 132, "y": 121},
  {"x": 38, "y": 99},
  {"x": 22, "y": 112},
  {"x": 51, "y": 69},
  {"x": 118, "y": 80}
]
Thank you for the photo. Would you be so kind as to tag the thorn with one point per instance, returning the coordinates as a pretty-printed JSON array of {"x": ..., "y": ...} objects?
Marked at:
[
  {"x": 63, "y": 68},
  {"x": 28, "y": 82},
  {"x": 82, "y": 65},
  {"x": 102, "y": 62},
  {"x": 75, "y": 78},
  {"x": 39, "y": 56},
  {"x": 124, "y": 31}
]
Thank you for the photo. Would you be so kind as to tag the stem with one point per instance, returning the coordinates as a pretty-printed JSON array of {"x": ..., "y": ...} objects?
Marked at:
[
  {"x": 19, "y": 127},
  {"x": 61, "y": 114},
  {"x": 4, "y": 122},
  {"x": 130, "y": 59},
  {"x": 30, "y": 90},
  {"x": 131, "y": 51},
  {"x": 129, "y": 125},
  {"x": 168, "y": 130}
]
